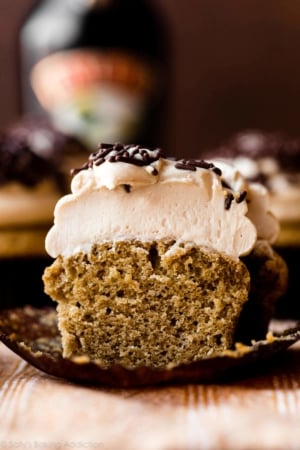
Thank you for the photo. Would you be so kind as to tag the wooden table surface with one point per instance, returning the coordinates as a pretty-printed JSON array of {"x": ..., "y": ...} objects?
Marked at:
[{"x": 38, "y": 411}]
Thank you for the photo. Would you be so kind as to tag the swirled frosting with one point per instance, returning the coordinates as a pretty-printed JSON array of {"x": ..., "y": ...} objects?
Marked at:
[{"x": 129, "y": 192}]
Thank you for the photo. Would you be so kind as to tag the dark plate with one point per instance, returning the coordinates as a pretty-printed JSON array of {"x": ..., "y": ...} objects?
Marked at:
[{"x": 32, "y": 333}]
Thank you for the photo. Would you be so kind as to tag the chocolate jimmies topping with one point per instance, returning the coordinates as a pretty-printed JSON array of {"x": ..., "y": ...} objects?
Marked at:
[
  {"x": 142, "y": 157},
  {"x": 130, "y": 154},
  {"x": 228, "y": 200},
  {"x": 193, "y": 164}
]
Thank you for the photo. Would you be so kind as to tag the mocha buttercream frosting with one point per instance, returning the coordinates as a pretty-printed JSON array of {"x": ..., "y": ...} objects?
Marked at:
[{"x": 129, "y": 192}]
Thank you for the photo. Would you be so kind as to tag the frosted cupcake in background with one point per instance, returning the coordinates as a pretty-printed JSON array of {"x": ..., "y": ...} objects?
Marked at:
[
  {"x": 63, "y": 151},
  {"x": 274, "y": 160},
  {"x": 35, "y": 161}
]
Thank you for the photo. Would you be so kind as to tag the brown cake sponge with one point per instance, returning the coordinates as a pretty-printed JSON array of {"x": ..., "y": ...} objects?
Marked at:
[{"x": 147, "y": 304}]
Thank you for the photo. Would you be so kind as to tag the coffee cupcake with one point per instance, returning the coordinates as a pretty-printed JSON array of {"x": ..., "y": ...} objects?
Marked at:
[{"x": 157, "y": 263}]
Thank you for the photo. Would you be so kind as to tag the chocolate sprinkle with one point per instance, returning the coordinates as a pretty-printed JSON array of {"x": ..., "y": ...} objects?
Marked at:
[
  {"x": 228, "y": 200},
  {"x": 193, "y": 164},
  {"x": 241, "y": 197},
  {"x": 226, "y": 185},
  {"x": 217, "y": 170},
  {"x": 185, "y": 166},
  {"x": 127, "y": 188}
]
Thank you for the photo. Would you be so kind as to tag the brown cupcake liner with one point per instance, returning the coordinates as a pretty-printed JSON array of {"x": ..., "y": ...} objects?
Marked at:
[{"x": 32, "y": 333}]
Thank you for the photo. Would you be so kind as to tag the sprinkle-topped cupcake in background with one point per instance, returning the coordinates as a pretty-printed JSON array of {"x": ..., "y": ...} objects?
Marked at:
[
  {"x": 35, "y": 160},
  {"x": 273, "y": 158},
  {"x": 63, "y": 151}
]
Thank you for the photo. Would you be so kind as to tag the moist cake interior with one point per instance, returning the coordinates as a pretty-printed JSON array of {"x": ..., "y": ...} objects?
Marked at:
[{"x": 151, "y": 304}]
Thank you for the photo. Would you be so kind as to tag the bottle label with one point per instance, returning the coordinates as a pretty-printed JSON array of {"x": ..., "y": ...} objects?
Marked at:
[{"x": 97, "y": 96}]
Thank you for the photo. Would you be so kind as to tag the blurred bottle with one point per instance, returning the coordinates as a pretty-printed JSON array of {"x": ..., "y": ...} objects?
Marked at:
[{"x": 98, "y": 69}]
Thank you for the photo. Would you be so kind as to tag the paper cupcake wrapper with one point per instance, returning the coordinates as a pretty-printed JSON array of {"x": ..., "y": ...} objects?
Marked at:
[{"x": 32, "y": 333}]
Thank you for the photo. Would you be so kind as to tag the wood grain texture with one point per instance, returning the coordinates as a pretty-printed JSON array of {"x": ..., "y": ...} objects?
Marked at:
[{"x": 38, "y": 411}]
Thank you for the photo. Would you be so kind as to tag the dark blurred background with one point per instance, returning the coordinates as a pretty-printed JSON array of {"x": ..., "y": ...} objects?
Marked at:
[{"x": 236, "y": 65}]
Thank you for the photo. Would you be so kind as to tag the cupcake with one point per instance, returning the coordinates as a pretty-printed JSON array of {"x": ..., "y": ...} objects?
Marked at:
[
  {"x": 34, "y": 161},
  {"x": 62, "y": 150},
  {"x": 274, "y": 160},
  {"x": 156, "y": 259}
]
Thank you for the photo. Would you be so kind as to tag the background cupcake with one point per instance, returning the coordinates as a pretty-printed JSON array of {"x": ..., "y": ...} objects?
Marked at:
[
  {"x": 35, "y": 160},
  {"x": 273, "y": 158}
]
